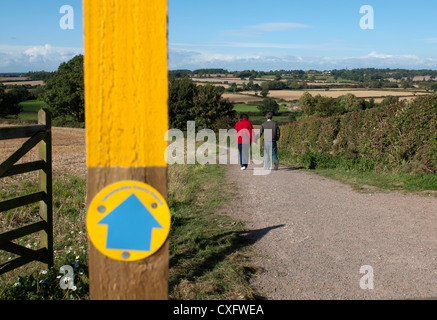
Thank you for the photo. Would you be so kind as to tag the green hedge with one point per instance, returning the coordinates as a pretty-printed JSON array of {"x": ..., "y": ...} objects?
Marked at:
[{"x": 400, "y": 138}]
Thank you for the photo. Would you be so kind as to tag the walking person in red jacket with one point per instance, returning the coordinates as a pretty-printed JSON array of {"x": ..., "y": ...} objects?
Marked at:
[{"x": 244, "y": 138}]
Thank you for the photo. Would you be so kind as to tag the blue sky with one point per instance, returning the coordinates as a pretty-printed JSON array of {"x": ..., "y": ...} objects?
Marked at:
[
  {"x": 31, "y": 38},
  {"x": 241, "y": 34}
]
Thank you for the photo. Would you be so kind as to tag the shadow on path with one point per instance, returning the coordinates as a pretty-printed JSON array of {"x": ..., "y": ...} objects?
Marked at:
[
  {"x": 232, "y": 241},
  {"x": 279, "y": 169},
  {"x": 255, "y": 235}
]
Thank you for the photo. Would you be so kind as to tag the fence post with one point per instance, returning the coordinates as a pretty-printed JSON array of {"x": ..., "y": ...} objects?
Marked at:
[
  {"x": 45, "y": 184},
  {"x": 126, "y": 92}
]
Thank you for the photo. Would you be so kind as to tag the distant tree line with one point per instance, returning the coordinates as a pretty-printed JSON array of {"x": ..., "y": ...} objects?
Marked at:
[
  {"x": 372, "y": 74},
  {"x": 245, "y": 74},
  {"x": 301, "y": 80},
  {"x": 322, "y": 106},
  {"x": 39, "y": 75},
  {"x": 367, "y": 77}
]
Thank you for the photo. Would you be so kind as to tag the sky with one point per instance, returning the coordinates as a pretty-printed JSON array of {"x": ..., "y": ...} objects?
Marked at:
[{"x": 241, "y": 34}]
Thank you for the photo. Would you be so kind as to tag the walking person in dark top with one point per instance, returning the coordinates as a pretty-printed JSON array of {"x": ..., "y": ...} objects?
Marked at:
[{"x": 272, "y": 133}]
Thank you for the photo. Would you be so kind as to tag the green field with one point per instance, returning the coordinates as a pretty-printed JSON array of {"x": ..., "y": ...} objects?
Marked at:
[
  {"x": 257, "y": 118},
  {"x": 253, "y": 108},
  {"x": 32, "y": 105},
  {"x": 30, "y": 109},
  {"x": 245, "y": 108}
]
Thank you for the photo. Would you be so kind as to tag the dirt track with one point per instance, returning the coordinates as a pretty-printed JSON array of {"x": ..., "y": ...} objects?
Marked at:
[{"x": 312, "y": 235}]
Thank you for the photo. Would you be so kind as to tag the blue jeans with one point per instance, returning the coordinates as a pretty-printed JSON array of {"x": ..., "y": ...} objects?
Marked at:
[
  {"x": 270, "y": 151},
  {"x": 244, "y": 154}
]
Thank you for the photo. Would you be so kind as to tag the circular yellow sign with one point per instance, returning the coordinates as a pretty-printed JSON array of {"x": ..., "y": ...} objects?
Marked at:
[{"x": 128, "y": 221}]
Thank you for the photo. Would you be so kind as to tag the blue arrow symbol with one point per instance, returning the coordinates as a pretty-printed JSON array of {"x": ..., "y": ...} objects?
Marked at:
[{"x": 130, "y": 226}]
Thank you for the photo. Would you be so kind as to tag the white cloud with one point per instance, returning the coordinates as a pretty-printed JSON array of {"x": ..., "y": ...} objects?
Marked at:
[
  {"x": 392, "y": 57},
  {"x": 39, "y": 52},
  {"x": 190, "y": 59},
  {"x": 34, "y": 58}
]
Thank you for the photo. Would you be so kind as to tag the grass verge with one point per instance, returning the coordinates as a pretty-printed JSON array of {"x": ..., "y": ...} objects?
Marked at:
[
  {"x": 208, "y": 254},
  {"x": 420, "y": 184},
  {"x": 209, "y": 259},
  {"x": 362, "y": 178},
  {"x": 33, "y": 281}
]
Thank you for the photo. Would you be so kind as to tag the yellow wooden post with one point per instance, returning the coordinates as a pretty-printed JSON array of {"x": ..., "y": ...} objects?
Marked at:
[{"x": 126, "y": 93}]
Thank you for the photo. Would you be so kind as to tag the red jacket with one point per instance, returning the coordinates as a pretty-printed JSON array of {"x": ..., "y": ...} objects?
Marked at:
[{"x": 244, "y": 129}]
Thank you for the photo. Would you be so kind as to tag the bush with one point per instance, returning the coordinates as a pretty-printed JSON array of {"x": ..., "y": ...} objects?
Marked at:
[{"x": 400, "y": 137}]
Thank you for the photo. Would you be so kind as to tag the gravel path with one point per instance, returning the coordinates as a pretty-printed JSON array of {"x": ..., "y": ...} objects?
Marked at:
[{"x": 311, "y": 236}]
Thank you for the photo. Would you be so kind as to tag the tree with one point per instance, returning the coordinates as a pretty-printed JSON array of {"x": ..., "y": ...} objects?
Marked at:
[
  {"x": 64, "y": 91},
  {"x": 264, "y": 89},
  {"x": 292, "y": 117},
  {"x": 308, "y": 104},
  {"x": 181, "y": 101},
  {"x": 293, "y": 85},
  {"x": 434, "y": 87},
  {"x": 209, "y": 106},
  {"x": 20, "y": 94},
  {"x": 269, "y": 105},
  {"x": 9, "y": 102},
  {"x": 202, "y": 104},
  {"x": 389, "y": 100},
  {"x": 323, "y": 106},
  {"x": 349, "y": 102}
]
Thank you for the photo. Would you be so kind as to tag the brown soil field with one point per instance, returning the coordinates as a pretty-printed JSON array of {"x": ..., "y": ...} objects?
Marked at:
[
  {"x": 23, "y": 83},
  {"x": 68, "y": 151},
  {"x": 296, "y": 94},
  {"x": 13, "y": 79},
  {"x": 409, "y": 98},
  {"x": 241, "y": 98},
  {"x": 213, "y": 84},
  {"x": 318, "y": 83}
]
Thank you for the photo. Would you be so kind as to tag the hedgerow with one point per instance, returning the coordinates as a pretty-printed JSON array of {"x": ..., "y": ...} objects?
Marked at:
[{"x": 400, "y": 137}]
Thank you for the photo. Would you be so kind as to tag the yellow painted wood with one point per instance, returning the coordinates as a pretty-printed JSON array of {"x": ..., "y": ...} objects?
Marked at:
[{"x": 126, "y": 86}]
